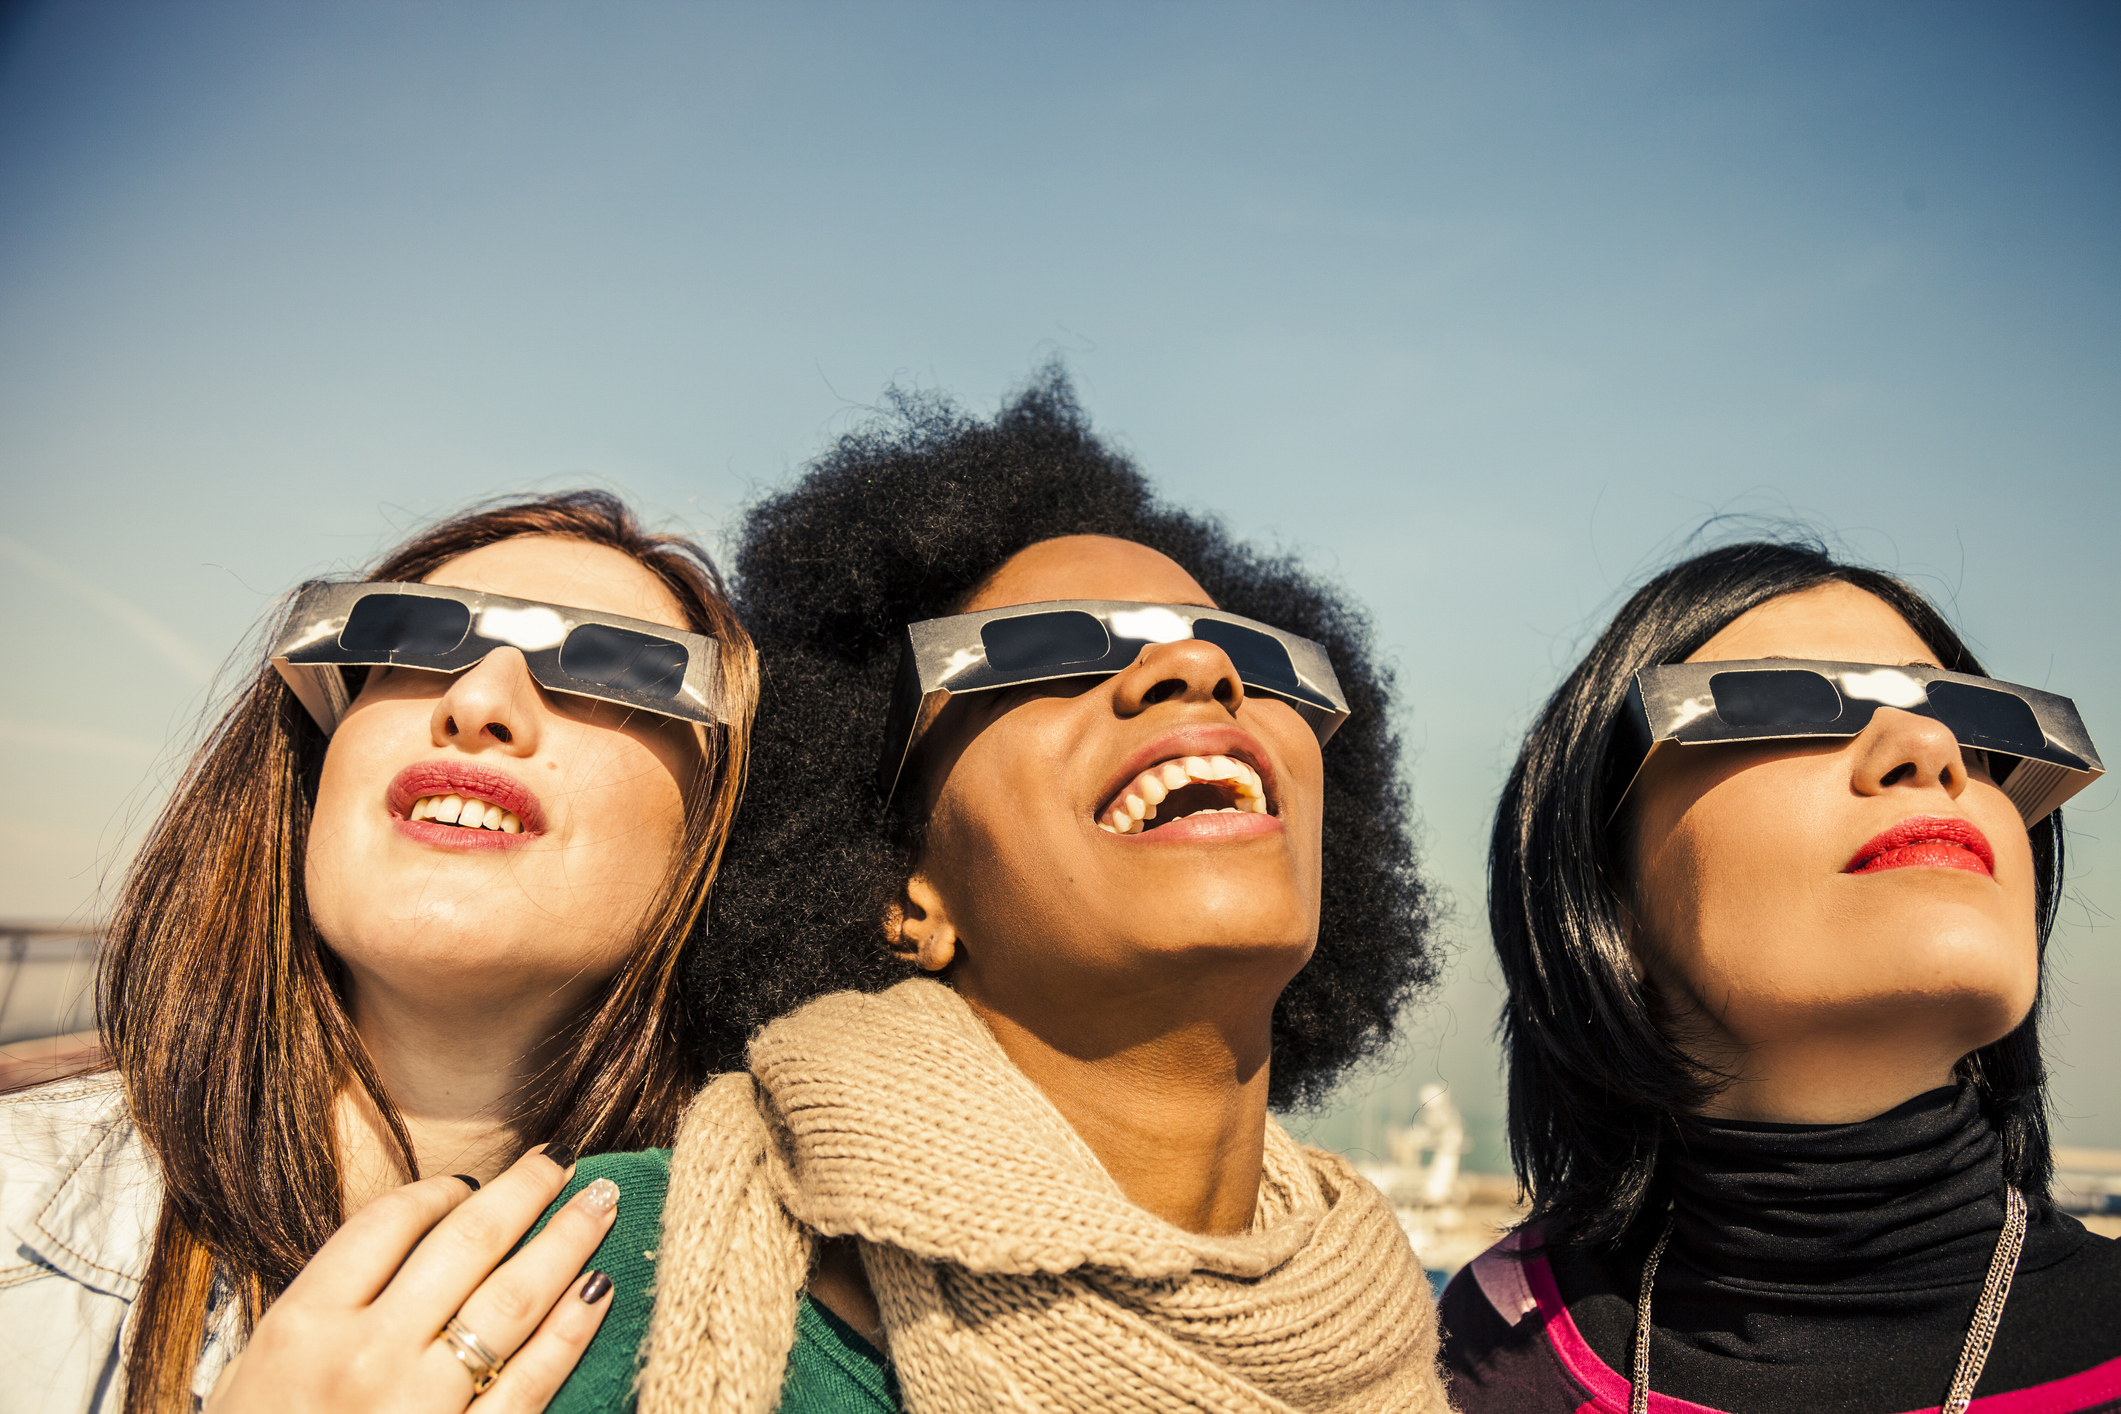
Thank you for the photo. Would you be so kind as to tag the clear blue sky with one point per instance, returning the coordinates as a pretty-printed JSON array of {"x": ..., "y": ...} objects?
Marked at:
[{"x": 1485, "y": 308}]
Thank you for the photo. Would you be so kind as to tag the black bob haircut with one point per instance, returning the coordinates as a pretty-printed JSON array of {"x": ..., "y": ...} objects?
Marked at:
[
  {"x": 1593, "y": 1084},
  {"x": 900, "y": 521}
]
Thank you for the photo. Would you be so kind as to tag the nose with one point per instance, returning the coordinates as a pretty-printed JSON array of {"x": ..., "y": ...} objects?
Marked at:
[
  {"x": 1901, "y": 750},
  {"x": 492, "y": 705},
  {"x": 1190, "y": 670}
]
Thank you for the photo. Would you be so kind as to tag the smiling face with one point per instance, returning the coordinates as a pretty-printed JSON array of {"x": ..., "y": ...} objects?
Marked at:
[
  {"x": 1840, "y": 907},
  {"x": 478, "y": 837},
  {"x": 1101, "y": 837}
]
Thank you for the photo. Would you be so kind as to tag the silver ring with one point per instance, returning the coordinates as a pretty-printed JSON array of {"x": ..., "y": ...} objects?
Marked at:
[{"x": 480, "y": 1363}]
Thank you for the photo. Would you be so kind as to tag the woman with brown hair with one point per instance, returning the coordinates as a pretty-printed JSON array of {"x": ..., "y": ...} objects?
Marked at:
[{"x": 416, "y": 908}]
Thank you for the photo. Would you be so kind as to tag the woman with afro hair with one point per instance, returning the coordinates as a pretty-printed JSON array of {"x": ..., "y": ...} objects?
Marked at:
[{"x": 1029, "y": 917}]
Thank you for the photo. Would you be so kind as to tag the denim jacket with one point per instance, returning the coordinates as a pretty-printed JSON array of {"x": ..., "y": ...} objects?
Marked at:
[{"x": 79, "y": 1200}]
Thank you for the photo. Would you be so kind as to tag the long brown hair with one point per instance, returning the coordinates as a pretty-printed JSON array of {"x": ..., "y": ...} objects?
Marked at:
[{"x": 226, "y": 1015}]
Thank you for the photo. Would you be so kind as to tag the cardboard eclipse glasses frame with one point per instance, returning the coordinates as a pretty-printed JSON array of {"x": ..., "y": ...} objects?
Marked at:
[
  {"x": 2045, "y": 754},
  {"x": 584, "y": 652},
  {"x": 1068, "y": 638}
]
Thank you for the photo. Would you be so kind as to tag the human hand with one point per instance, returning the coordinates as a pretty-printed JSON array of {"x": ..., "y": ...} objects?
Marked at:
[{"x": 362, "y": 1327}]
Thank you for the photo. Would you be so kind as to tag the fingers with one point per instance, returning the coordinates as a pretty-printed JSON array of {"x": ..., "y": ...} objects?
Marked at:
[
  {"x": 538, "y": 1370},
  {"x": 456, "y": 1255},
  {"x": 361, "y": 1256},
  {"x": 511, "y": 1303}
]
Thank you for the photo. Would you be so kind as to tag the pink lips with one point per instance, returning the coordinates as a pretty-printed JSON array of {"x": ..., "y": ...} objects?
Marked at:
[
  {"x": 1927, "y": 842},
  {"x": 463, "y": 778}
]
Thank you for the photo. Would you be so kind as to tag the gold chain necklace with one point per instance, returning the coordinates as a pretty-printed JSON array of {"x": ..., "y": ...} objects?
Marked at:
[{"x": 1980, "y": 1335}]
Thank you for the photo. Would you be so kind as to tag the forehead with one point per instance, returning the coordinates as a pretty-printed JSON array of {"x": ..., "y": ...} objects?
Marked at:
[
  {"x": 1087, "y": 567},
  {"x": 1833, "y": 622},
  {"x": 557, "y": 570}
]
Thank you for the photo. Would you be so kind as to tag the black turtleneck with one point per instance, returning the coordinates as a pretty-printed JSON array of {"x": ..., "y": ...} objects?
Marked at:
[{"x": 1836, "y": 1267}]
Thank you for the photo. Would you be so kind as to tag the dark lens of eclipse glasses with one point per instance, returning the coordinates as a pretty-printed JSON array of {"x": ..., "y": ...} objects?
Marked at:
[
  {"x": 1065, "y": 637},
  {"x": 1981, "y": 717},
  {"x": 621, "y": 658},
  {"x": 1776, "y": 697},
  {"x": 404, "y": 623},
  {"x": 1260, "y": 658},
  {"x": 1038, "y": 641}
]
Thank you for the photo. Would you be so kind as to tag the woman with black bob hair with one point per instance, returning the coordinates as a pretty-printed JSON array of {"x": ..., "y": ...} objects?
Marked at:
[
  {"x": 1052, "y": 901},
  {"x": 1771, "y": 883}
]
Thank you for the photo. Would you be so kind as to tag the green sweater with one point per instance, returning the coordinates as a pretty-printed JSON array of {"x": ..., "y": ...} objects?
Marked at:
[{"x": 831, "y": 1370}]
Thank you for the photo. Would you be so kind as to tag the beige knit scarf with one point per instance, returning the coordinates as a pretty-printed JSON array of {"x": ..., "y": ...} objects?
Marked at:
[{"x": 1011, "y": 1271}]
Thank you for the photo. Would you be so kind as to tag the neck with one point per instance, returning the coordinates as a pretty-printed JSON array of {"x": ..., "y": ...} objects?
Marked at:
[
  {"x": 1168, "y": 1089},
  {"x": 1846, "y": 1069},
  {"x": 1840, "y": 1085},
  {"x": 1915, "y": 1192},
  {"x": 460, "y": 1074}
]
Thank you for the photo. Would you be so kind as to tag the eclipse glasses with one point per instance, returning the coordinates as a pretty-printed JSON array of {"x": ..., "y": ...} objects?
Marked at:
[
  {"x": 584, "y": 652},
  {"x": 2046, "y": 755},
  {"x": 1069, "y": 638}
]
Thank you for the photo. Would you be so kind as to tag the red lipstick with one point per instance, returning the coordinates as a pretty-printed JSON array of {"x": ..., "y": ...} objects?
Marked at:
[
  {"x": 427, "y": 778},
  {"x": 1927, "y": 842}
]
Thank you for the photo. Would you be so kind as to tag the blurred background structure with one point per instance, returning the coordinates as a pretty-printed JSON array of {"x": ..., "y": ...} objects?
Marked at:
[{"x": 1489, "y": 309}]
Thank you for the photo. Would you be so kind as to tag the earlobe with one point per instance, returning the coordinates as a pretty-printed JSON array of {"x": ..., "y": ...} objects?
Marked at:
[
  {"x": 1631, "y": 939},
  {"x": 919, "y": 927}
]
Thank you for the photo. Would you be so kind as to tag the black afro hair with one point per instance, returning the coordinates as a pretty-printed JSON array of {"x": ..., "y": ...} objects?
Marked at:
[{"x": 899, "y": 521}]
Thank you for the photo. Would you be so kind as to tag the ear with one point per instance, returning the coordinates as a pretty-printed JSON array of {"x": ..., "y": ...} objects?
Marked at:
[
  {"x": 919, "y": 927},
  {"x": 1631, "y": 933}
]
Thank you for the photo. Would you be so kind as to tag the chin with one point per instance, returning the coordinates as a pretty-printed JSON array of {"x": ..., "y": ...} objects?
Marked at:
[
  {"x": 1956, "y": 950},
  {"x": 1237, "y": 913},
  {"x": 1267, "y": 963},
  {"x": 1972, "y": 987}
]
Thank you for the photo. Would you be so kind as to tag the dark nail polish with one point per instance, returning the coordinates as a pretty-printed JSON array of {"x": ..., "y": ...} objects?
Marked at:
[
  {"x": 467, "y": 1180},
  {"x": 560, "y": 1154},
  {"x": 595, "y": 1289}
]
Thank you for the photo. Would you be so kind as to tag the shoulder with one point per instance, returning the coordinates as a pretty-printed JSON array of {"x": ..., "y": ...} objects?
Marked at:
[
  {"x": 1496, "y": 1352},
  {"x": 603, "y": 1380},
  {"x": 49, "y": 1131},
  {"x": 78, "y": 1189},
  {"x": 833, "y": 1370},
  {"x": 2061, "y": 1327},
  {"x": 642, "y": 1177},
  {"x": 641, "y": 1167},
  {"x": 1498, "y": 1285},
  {"x": 48, "y": 1117},
  {"x": 78, "y": 1201}
]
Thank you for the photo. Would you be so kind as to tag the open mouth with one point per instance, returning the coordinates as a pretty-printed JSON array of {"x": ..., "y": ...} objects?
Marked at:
[
  {"x": 1181, "y": 787},
  {"x": 463, "y": 804},
  {"x": 466, "y": 813}
]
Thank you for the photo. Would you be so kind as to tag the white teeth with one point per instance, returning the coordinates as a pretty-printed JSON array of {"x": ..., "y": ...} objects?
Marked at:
[
  {"x": 1139, "y": 798},
  {"x": 466, "y": 814}
]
